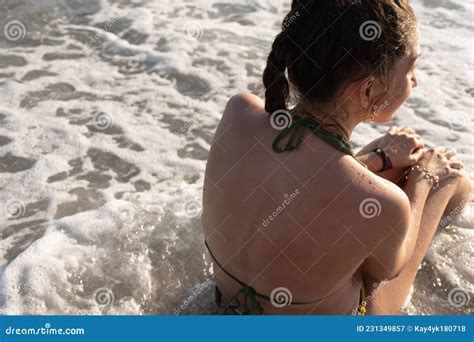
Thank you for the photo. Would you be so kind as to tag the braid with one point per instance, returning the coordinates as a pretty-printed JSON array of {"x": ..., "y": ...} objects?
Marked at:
[{"x": 277, "y": 89}]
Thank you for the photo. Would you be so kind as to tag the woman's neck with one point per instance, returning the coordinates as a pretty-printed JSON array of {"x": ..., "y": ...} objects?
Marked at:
[{"x": 332, "y": 121}]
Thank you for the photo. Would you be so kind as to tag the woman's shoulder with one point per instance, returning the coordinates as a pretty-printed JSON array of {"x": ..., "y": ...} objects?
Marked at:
[
  {"x": 244, "y": 99},
  {"x": 244, "y": 113},
  {"x": 244, "y": 104},
  {"x": 378, "y": 201}
]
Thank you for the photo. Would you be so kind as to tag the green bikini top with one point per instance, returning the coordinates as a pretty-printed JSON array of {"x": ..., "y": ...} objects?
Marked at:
[
  {"x": 296, "y": 138},
  {"x": 251, "y": 304}
]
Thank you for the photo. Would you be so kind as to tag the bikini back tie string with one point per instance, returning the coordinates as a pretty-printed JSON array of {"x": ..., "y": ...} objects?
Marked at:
[{"x": 297, "y": 130}]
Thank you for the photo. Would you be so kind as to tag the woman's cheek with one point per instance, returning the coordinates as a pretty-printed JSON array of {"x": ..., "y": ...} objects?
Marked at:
[
  {"x": 407, "y": 90},
  {"x": 387, "y": 107},
  {"x": 402, "y": 94}
]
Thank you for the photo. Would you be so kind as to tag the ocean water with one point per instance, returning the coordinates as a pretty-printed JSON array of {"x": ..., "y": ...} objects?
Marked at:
[{"x": 106, "y": 117}]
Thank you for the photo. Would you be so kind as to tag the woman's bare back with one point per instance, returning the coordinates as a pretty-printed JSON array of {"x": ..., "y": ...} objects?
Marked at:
[{"x": 290, "y": 220}]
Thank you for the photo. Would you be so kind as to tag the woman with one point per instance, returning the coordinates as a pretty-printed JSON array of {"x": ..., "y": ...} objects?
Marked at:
[{"x": 294, "y": 221}]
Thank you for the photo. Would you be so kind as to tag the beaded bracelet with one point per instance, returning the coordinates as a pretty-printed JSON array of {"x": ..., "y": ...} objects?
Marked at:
[{"x": 428, "y": 175}]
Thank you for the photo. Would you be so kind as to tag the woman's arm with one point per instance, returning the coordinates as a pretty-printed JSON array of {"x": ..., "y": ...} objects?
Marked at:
[
  {"x": 403, "y": 218},
  {"x": 372, "y": 160},
  {"x": 404, "y": 213},
  {"x": 403, "y": 147},
  {"x": 370, "y": 147}
]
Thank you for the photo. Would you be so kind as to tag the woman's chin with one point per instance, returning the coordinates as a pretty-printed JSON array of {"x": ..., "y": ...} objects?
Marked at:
[{"x": 385, "y": 118}]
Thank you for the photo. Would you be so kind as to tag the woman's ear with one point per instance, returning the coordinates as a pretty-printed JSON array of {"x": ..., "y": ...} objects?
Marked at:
[{"x": 366, "y": 91}]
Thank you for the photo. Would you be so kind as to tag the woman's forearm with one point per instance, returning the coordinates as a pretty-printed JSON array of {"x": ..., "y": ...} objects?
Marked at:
[
  {"x": 372, "y": 160},
  {"x": 417, "y": 189},
  {"x": 370, "y": 147}
]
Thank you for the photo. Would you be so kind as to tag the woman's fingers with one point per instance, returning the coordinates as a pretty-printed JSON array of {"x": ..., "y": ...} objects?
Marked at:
[
  {"x": 408, "y": 130},
  {"x": 417, "y": 155},
  {"x": 456, "y": 173},
  {"x": 412, "y": 144},
  {"x": 457, "y": 165},
  {"x": 393, "y": 130},
  {"x": 419, "y": 143},
  {"x": 450, "y": 153},
  {"x": 446, "y": 152}
]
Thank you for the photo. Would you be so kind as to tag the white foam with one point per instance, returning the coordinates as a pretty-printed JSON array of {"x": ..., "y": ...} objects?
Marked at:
[{"x": 146, "y": 247}]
